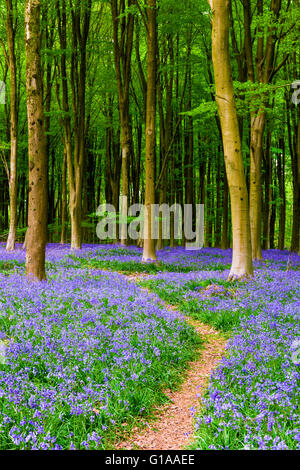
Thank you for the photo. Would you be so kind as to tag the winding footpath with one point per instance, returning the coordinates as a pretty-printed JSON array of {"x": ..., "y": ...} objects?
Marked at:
[{"x": 173, "y": 427}]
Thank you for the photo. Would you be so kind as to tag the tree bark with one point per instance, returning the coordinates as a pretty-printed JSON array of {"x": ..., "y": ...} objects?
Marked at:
[
  {"x": 267, "y": 209},
  {"x": 218, "y": 211},
  {"x": 13, "y": 175},
  {"x": 225, "y": 222},
  {"x": 256, "y": 148},
  {"x": 63, "y": 235},
  {"x": 37, "y": 212},
  {"x": 281, "y": 184},
  {"x": 241, "y": 260},
  {"x": 150, "y": 156}
]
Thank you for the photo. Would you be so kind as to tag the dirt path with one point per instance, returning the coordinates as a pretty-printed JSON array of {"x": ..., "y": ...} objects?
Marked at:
[{"x": 173, "y": 429}]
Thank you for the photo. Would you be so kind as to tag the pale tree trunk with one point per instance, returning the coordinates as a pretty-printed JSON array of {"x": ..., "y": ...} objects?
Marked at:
[
  {"x": 256, "y": 151},
  {"x": 149, "y": 243},
  {"x": 189, "y": 136},
  {"x": 242, "y": 260},
  {"x": 13, "y": 187},
  {"x": 267, "y": 209},
  {"x": 218, "y": 220},
  {"x": 224, "y": 240},
  {"x": 37, "y": 208},
  {"x": 63, "y": 235},
  {"x": 281, "y": 186},
  {"x": 125, "y": 149},
  {"x": 208, "y": 197}
]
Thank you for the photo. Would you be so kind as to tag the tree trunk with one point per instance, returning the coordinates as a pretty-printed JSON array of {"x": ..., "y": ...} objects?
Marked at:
[
  {"x": 241, "y": 261},
  {"x": 37, "y": 212},
  {"x": 268, "y": 191},
  {"x": 208, "y": 221},
  {"x": 13, "y": 177},
  {"x": 149, "y": 243},
  {"x": 218, "y": 212},
  {"x": 256, "y": 148},
  {"x": 189, "y": 135},
  {"x": 281, "y": 184},
  {"x": 63, "y": 236},
  {"x": 273, "y": 221},
  {"x": 225, "y": 241}
]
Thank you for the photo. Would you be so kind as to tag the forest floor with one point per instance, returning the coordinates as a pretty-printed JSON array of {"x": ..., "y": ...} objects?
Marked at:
[
  {"x": 111, "y": 352},
  {"x": 173, "y": 425}
]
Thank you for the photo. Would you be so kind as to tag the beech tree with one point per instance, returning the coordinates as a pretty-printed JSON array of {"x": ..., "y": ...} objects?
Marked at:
[
  {"x": 13, "y": 184},
  {"x": 150, "y": 155},
  {"x": 241, "y": 259},
  {"x": 37, "y": 153}
]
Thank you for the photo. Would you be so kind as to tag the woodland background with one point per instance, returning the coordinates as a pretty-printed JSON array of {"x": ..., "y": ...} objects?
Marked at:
[{"x": 94, "y": 76}]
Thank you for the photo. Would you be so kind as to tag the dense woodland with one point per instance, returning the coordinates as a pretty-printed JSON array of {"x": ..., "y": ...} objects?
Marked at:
[
  {"x": 147, "y": 342},
  {"x": 124, "y": 97}
]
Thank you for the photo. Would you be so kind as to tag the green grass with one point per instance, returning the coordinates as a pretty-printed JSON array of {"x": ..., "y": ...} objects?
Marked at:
[
  {"x": 223, "y": 320},
  {"x": 132, "y": 266},
  {"x": 7, "y": 266}
]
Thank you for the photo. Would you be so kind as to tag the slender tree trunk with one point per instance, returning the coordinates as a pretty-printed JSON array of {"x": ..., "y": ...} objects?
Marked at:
[
  {"x": 256, "y": 149},
  {"x": 268, "y": 192},
  {"x": 241, "y": 261},
  {"x": 189, "y": 135},
  {"x": 150, "y": 156},
  {"x": 225, "y": 241},
  {"x": 202, "y": 170},
  {"x": 208, "y": 222},
  {"x": 136, "y": 173},
  {"x": 63, "y": 236},
  {"x": 218, "y": 212},
  {"x": 172, "y": 201},
  {"x": 13, "y": 176},
  {"x": 273, "y": 221},
  {"x": 281, "y": 184},
  {"x": 108, "y": 170},
  {"x": 37, "y": 212}
]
